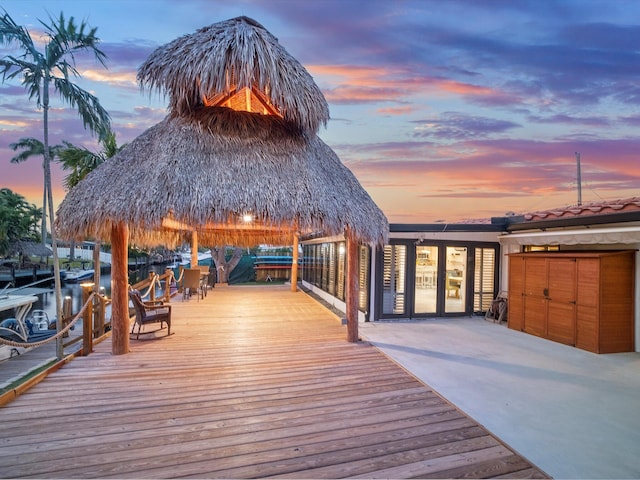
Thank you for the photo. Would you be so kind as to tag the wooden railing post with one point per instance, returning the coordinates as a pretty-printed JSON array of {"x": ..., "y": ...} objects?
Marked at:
[
  {"x": 152, "y": 283},
  {"x": 87, "y": 320},
  {"x": 168, "y": 276},
  {"x": 100, "y": 315}
]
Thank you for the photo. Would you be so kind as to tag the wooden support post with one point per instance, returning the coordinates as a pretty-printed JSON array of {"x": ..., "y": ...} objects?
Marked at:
[
  {"x": 119, "y": 289},
  {"x": 352, "y": 286},
  {"x": 152, "y": 290},
  {"x": 294, "y": 265},
  {"x": 194, "y": 249},
  {"x": 99, "y": 316},
  {"x": 87, "y": 319},
  {"x": 168, "y": 272}
]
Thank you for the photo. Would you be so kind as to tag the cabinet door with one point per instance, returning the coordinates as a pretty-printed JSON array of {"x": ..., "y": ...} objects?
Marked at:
[
  {"x": 587, "y": 299},
  {"x": 515, "y": 311},
  {"x": 587, "y": 328},
  {"x": 535, "y": 316},
  {"x": 535, "y": 277},
  {"x": 561, "y": 296},
  {"x": 535, "y": 303},
  {"x": 561, "y": 322}
]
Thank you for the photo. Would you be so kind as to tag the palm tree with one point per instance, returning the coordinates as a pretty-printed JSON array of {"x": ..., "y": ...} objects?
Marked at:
[
  {"x": 54, "y": 66},
  {"x": 33, "y": 147},
  {"x": 81, "y": 160}
]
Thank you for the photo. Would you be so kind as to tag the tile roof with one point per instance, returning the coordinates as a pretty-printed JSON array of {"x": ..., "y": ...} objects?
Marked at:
[{"x": 603, "y": 207}]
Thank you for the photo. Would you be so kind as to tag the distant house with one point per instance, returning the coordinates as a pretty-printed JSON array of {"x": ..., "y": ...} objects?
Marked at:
[{"x": 449, "y": 270}]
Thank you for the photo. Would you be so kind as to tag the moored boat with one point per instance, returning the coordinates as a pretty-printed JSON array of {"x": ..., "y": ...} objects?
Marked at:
[{"x": 75, "y": 275}]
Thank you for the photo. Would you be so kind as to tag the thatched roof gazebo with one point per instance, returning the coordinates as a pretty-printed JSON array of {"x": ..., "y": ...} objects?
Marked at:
[
  {"x": 237, "y": 161},
  {"x": 29, "y": 249}
]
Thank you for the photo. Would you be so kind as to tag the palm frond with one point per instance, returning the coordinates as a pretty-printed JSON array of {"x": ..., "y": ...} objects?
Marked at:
[
  {"x": 10, "y": 32},
  {"x": 80, "y": 161},
  {"x": 31, "y": 147},
  {"x": 67, "y": 38},
  {"x": 93, "y": 115}
]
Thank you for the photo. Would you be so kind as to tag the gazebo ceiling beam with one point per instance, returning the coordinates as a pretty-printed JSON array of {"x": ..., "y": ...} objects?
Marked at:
[
  {"x": 224, "y": 98},
  {"x": 253, "y": 226},
  {"x": 265, "y": 102}
]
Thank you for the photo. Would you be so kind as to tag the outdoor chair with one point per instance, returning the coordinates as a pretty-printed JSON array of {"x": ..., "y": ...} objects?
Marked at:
[
  {"x": 192, "y": 282},
  {"x": 497, "y": 311},
  {"x": 204, "y": 271},
  {"x": 147, "y": 312}
]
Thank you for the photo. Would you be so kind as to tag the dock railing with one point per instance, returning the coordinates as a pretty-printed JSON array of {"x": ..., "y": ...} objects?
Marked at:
[{"x": 96, "y": 324}]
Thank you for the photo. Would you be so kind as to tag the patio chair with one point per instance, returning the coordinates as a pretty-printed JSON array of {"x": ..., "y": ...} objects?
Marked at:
[
  {"x": 192, "y": 282},
  {"x": 147, "y": 312},
  {"x": 497, "y": 312},
  {"x": 204, "y": 270}
]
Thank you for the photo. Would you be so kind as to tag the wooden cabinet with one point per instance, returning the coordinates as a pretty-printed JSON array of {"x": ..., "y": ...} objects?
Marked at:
[{"x": 584, "y": 299}]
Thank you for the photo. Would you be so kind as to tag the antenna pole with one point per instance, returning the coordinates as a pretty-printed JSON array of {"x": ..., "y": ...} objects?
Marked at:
[{"x": 579, "y": 179}]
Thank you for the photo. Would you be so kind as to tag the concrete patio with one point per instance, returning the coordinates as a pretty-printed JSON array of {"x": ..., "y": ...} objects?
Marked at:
[{"x": 573, "y": 413}]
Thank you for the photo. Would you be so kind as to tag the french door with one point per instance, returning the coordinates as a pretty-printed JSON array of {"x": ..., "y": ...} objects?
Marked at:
[{"x": 438, "y": 279}]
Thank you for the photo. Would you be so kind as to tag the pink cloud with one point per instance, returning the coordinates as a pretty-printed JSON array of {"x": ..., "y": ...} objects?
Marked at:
[
  {"x": 403, "y": 110},
  {"x": 357, "y": 84},
  {"x": 477, "y": 172}
]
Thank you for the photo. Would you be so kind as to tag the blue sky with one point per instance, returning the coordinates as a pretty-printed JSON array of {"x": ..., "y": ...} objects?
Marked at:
[{"x": 444, "y": 110}]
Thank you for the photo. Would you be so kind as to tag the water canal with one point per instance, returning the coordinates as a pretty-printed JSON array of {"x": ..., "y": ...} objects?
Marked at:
[{"x": 46, "y": 297}]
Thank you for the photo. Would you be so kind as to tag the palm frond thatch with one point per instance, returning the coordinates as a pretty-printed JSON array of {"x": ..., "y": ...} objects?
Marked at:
[
  {"x": 206, "y": 170},
  {"x": 232, "y": 55},
  {"x": 30, "y": 249},
  {"x": 205, "y": 165}
]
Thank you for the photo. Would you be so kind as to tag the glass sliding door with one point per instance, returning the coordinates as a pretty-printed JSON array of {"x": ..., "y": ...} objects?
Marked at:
[
  {"x": 393, "y": 279},
  {"x": 432, "y": 278},
  {"x": 426, "y": 280},
  {"x": 455, "y": 279}
]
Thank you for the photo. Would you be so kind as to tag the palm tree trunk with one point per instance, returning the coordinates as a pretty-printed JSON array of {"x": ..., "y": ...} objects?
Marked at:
[
  {"x": 54, "y": 240},
  {"x": 43, "y": 230}
]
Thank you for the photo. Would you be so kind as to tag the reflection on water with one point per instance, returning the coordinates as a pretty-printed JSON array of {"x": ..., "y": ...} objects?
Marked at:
[{"x": 47, "y": 302}]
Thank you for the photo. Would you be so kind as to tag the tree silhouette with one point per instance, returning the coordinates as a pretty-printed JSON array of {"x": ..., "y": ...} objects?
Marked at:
[{"x": 33, "y": 147}]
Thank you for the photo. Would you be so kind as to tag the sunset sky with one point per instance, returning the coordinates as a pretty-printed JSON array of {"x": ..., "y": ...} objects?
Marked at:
[{"x": 444, "y": 110}]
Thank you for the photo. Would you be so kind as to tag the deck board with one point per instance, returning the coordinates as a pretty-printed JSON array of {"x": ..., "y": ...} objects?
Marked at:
[{"x": 253, "y": 382}]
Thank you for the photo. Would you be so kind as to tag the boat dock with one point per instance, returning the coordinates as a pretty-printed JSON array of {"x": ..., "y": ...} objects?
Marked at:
[{"x": 21, "y": 276}]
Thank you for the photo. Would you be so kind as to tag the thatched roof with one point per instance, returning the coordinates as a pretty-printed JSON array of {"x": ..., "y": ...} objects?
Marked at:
[
  {"x": 218, "y": 60},
  {"x": 30, "y": 249},
  {"x": 205, "y": 166},
  {"x": 207, "y": 170}
]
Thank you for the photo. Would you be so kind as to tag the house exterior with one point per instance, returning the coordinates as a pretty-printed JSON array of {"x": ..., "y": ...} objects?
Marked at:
[{"x": 452, "y": 270}]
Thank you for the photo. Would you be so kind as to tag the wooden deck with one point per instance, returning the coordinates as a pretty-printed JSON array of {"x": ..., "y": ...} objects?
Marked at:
[{"x": 255, "y": 382}]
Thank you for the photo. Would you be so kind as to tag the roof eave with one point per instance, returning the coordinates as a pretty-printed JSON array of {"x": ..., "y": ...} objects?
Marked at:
[
  {"x": 519, "y": 224},
  {"x": 445, "y": 227}
]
